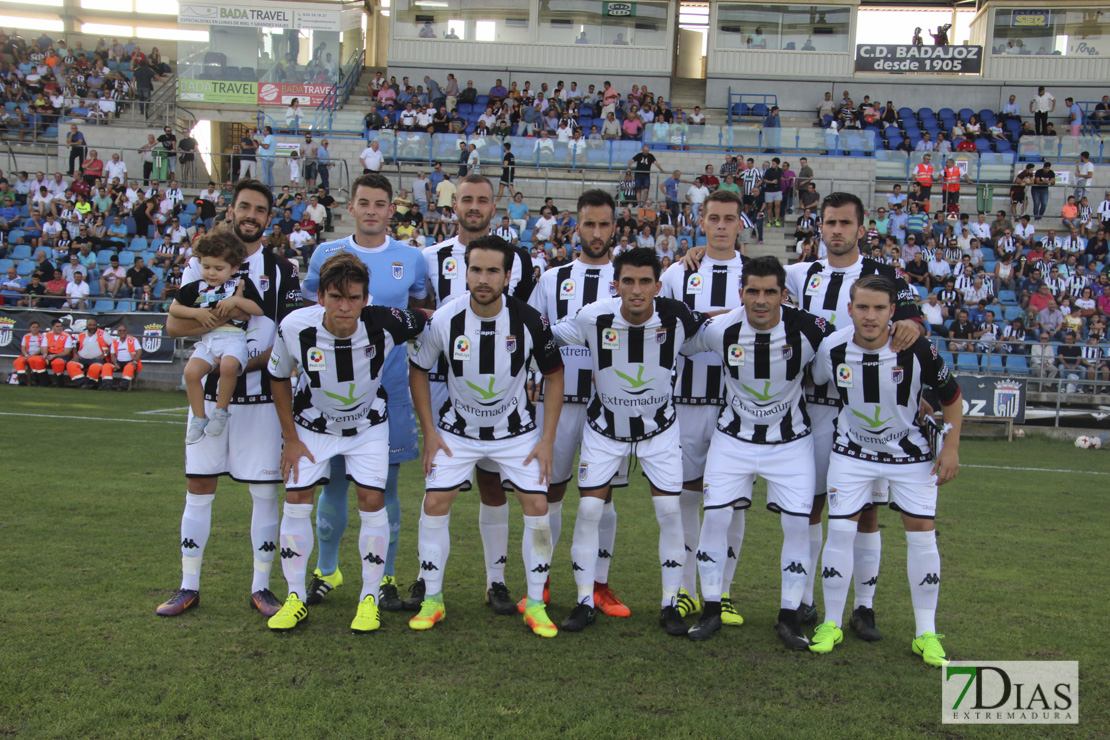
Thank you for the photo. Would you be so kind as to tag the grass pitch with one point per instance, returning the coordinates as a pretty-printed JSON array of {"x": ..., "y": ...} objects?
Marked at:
[{"x": 89, "y": 516}]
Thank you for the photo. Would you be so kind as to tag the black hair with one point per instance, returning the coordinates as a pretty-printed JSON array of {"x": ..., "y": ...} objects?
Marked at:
[
  {"x": 637, "y": 257},
  {"x": 877, "y": 283},
  {"x": 374, "y": 181},
  {"x": 764, "y": 266},
  {"x": 492, "y": 243},
  {"x": 841, "y": 199},
  {"x": 596, "y": 198},
  {"x": 257, "y": 186}
]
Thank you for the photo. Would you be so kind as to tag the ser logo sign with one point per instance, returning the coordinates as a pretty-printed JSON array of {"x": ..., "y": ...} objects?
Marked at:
[{"x": 1011, "y": 692}]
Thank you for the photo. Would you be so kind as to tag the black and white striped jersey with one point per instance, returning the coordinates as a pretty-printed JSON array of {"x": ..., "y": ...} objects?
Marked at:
[
  {"x": 764, "y": 372},
  {"x": 879, "y": 393},
  {"x": 560, "y": 293},
  {"x": 277, "y": 283},
  {"x": 715, "y": 285},
  {"x": 487, "y": 366},
  {"x": 446, "y": 263},
  {"x": 825, "y": 291},
  {"x": 339, "y": 388},
  {"x": 632, "y": 396}
]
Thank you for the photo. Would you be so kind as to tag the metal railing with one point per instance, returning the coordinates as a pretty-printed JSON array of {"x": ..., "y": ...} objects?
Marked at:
[{"x": 745, "y": 104}]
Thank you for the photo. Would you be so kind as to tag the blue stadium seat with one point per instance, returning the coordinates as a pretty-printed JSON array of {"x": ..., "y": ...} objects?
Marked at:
[
  {"x": 103, "y": 305},
  {"x": 906, "y": 114},
  {"x": 1017, "y": 364},
  {"x": 126, "y": 258},
  {"x": 464, "y": 109},
  {"x": 759, "y": 109},
  {"x": 25, "y": 268},
  {"x": 482, "y": 101},
  {"x": 186, "y": 219},
  {"x": 191, "y": 209},
  {"x": 21, "y": 252},
  {"x": 1011, "y": 312},
  {"x": 5, "y": 264},
  {"x": 966, "y": 114},
  {"x": 1007, "y": 298},
  {"x": 967, "y": 362},
  {"x": 736, "y": 108},
  {"x": 138, "y": 244},
  {"x": 925, "y": 113},
  {"x": 983, "y": 145},
  {"x": 945, "y": 113},
  {"x": 1002, "y": 146},
  {"x": 25, "y": 211},
  {"x": 130, "y": 224},
  {"x": 104, "y": 256}
]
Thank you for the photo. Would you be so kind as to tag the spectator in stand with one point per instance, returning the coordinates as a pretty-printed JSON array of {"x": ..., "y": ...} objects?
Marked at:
[
  {"x": 1074, "y": 117},
  {"x": 77, "y": 292},
  {"x": 1041, "y": 106},
  {"x": 963, "y": 333},
  {"x": 1010, "y": 110}
]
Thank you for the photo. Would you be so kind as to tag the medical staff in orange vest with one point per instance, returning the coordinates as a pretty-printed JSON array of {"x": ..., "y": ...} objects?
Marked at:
[
  {"x": 923, "y": 176},
  {"x": 952, "y": 177},
  {"x": 125, "y": 354},
  {"x": 57, "y": 349},
  {"x": 91, "y": 354},
  {"x": 30, "y": 361}
]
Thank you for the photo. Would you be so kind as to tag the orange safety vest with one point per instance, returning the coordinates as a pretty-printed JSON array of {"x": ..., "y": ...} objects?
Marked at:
[
  {"x": 32, "y": 343},
  {"x": 952, "y": 177},
  {"x": 57, "y": 344},
  {"x": 100, "y": 339},
  {"x": 132, "y": 349},
  {"x": 923, "y": 173}
]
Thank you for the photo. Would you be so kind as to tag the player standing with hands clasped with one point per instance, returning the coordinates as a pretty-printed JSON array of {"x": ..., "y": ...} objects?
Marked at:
[
  {"x": 339, "y": 410},
  {"x": 878, "y": 438},
  {"x": 219, "y": 292}
]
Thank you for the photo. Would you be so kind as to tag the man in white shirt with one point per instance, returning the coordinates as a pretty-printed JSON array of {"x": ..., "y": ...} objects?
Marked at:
[
  {"x": 316, "y": 211},
  {"x": 57, "y": 186},
  {"x": 116, "y": 169},
  {"x": 696, "y": 195},
  {"x": 174, "y": 194},
  {"x": 77, "y": 291},
  {"x": 300, "y": 238},
  {"x": 1084, "y": 173},
  {"x": 939, "y": 267},
  {"x": 981, "y": 230},
  {"x": 1024, "y": 232},
  {"x": 212, "y": 195},
  {"x": 1042, "y": 104},
  {"x": 372, "y": 159}
]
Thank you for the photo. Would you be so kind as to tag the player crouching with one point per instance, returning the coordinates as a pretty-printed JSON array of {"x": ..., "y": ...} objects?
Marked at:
[
  {"x": 339, "y": 409},
  {"x": 877, "y": 437}
]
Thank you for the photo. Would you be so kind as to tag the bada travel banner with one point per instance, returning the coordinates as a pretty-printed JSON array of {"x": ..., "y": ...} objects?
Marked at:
[
  {"x": 217, "y": 91},
  {"x": 309, "y": 96}
]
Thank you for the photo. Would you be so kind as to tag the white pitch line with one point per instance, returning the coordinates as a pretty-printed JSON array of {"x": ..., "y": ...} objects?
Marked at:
[
  {"x": 163, "y": 412},
  {"x": 1038, "y": 470},
  {"x": 91, "y": 418}
]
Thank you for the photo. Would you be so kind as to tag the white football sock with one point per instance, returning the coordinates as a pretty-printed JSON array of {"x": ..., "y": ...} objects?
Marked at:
[
  {"x": 493, "y": 524},
  {"x": 433, "y": 546},
  {"x": 836, "y": 568},
  {"x": 265, "y": 515},
  {"x": 815, "y": 542},
  {"x": 555, "y": 516},
  {"x": 672, "y": 548},
  {"x": 712, "y": 551},
  {"x": 373, "y": 544},
  {"x": 794, "y": 560},
  {"x": 735, "y": 544},
  {"x": 690, "y": 502},
  {"x": 606, "y": 539},
  {"x": 584, "y": 547},
  {"x": 923, "y": 569},
  {"x": 295, "y": 543},
  {"x": 196, "y": 523},
  {"x": 535, "y": 549},
  {"x": 868, "y": 552}
]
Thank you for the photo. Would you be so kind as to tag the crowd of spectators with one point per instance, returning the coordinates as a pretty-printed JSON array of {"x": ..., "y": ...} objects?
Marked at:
[{"x": 46, "y": 82}]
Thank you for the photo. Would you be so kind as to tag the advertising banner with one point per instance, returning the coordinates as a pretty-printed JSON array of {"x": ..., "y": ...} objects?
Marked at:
[
  {"x": 148, "y": 328},
  {"x": 282, "y": 94},
  {"x": 217, "y": 91},
  {"x": 993, "y": 395},
  {"x": 303, "y": 16},
  {"x": 904, "y": 58}
]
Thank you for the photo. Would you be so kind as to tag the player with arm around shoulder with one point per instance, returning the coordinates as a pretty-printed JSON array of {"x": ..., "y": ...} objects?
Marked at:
[
  {"x": 339, "y": 409},
  {"x": 878, "y": 437}
]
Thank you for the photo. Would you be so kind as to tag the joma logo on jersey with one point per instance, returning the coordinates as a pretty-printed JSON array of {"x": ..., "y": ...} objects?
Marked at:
[
  {"x": 462, "y": 349},
  {"x": 736, "y": 354},
  {"x": 610, "y": 339}
]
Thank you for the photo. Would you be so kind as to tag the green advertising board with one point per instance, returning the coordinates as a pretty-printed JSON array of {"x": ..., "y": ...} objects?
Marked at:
[{"x": 217, "y": 91}]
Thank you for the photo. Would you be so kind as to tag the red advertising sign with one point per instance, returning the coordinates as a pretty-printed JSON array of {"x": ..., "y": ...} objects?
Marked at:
[{"x": 274, "y": 93}]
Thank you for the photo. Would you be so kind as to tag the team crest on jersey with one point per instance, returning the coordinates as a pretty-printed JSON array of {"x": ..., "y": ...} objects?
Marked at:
[
  {"x": 736, "y": 354},
  {"x": 510, "y": 344},
  {"x": 316, "y": 360},
  {"x": 398, "y": 270},
  {"x": 462, "y": 349},
  {"x": 844, "y": 375},
  {"x": 694, "y": 284},
  {"x": 152, "y": 338},
  {"x": 787, "y": 352},
  {"x": 450, "y": 268},
  {"x": 264, "y": 283},
  {"x": 371, "y": 351},
  {"x": 583, "y": 470},
  {"x": 610, "y": 339},
  {"x": 813, "y": 285},
  {"x": 566, "y": 290},
  {"x": 660, "y": 336},
  {"x": 431, "y": 473},
  {"x": 897, "y": 374},
  {"x": 613, "y": 290}
]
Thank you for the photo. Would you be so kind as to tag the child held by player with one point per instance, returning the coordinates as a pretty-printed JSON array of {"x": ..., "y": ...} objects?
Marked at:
[{"x": 222, "y": 292}]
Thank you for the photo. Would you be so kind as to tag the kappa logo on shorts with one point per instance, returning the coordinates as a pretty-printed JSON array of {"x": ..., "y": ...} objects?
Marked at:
[
  {"x": 583, "y": 470},
  {"x": 844, "y": 375}
]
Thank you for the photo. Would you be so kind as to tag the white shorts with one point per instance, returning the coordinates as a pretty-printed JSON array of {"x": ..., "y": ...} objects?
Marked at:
[
  {"x": 439, "y": 397},
  {"x": 696, "y": 426},
  {"x": 660, "y": 456},
  {"x": 822, "y": 420},
  {"x": 249, "y": 450},
  {"x": 568, "y": 440},
  {"x": 772, "y": 197},
  {"x": 216, "y": 345},
  {"x": 505, "y": 455},
  {"x": 733, "y": 465},
  {"x": 366, "y": 456},
  {"x": 913, "y": 487}
]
